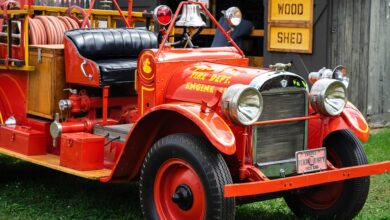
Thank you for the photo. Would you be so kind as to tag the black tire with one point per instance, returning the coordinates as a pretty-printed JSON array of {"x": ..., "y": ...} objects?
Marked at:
[
  {"x": 340, "y": 200},
  {"x": 199, "y": 158}
]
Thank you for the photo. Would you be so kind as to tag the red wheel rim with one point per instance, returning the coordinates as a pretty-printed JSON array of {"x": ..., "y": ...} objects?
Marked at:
[
  {"x": 172, "y": 175},
  {"x": 326, "y": 195}
]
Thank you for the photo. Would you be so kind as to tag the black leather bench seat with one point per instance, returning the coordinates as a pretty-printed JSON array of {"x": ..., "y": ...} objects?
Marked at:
[
  {"x": 115, "y": 51},
  {"x": 117, "y": 71}
]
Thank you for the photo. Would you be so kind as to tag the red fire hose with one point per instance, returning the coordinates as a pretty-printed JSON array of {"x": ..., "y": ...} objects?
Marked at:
[
  {"x": 68, "y": 12},
  {"x": 50, "y": 29}
]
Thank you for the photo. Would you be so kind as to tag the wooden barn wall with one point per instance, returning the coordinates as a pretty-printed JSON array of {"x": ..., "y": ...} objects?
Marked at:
[
  {"x": 349, "y": 45},
  {"x": 378, "y": 102},
  {"x": 360, "y": 40}
]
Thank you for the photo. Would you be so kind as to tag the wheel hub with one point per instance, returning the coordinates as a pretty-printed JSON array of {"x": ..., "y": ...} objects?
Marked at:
[
  {"x": 178, "y": 191},
  {"x": 183, "y": 197}
]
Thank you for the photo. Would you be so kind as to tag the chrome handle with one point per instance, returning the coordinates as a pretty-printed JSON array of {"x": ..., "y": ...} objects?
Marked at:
[
  {"x": 89, "y": 76},
  {"x": 72, "y": 91}
]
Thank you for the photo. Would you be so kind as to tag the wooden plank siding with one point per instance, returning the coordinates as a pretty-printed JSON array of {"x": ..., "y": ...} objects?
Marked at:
[
  {"x": 360, "y": 40},
  {"x": 378, "y": 102},
  {"x": 350, "y": 23},
  {"x": 386, "y": 57},
  {"x": 356, "y": 34}
]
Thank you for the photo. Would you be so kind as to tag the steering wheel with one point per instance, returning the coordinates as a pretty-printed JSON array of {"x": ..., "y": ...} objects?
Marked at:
[{"x": 68, "y": 12}]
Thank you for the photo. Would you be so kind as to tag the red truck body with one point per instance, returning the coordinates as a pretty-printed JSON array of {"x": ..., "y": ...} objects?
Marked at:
[{"x": 108, "y": 128}]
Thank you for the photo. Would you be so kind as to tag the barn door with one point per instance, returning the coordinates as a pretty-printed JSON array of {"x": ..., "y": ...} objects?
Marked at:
[{"x": 303, "y": 64}]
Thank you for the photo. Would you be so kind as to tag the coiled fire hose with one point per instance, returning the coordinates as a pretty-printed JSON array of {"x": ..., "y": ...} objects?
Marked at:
[
  {"x": 50, "y": 29},
  {"x": 68, "y": 12}
]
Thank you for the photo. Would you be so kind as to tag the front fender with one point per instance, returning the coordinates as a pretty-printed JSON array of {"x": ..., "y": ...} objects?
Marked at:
[
  {"x": 351, "y": 118},
  {"x": 163, "y": 120},
  {"x": 214, "y": 126}
]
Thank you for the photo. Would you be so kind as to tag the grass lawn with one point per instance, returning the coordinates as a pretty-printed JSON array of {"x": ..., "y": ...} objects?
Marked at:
[{"x": 32, "y": 192}]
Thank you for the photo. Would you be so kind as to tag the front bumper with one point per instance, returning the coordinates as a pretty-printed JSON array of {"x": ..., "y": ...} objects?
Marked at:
[{"x": 304, "y": 180}]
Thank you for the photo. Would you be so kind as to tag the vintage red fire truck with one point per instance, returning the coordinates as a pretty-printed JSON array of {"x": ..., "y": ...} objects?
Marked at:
[{"x": 198, "y": 128}]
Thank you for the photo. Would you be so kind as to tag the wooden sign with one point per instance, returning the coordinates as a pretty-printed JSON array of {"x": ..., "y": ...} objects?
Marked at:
[
  {"x": 290, "y": 39},
  {"x": 290, "y": 11},
  {"x": 290, "y": 26}
]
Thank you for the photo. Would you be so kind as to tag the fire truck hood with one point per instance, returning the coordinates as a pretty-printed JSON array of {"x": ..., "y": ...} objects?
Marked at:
[{"x": 200, "y": 81}]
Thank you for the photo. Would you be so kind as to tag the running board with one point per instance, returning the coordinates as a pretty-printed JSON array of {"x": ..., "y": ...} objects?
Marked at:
[
  {"x": 53, "y": 162},
  {"x": 113, "y": 132},
  {"x": 304, "y": 180}
]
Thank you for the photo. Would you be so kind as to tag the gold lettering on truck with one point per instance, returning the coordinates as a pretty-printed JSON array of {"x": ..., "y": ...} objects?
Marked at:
[{"x": 200, "y": 87}]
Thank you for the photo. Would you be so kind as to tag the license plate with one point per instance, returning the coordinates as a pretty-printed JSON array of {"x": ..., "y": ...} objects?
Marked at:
[{"x": 311, "y": 160}]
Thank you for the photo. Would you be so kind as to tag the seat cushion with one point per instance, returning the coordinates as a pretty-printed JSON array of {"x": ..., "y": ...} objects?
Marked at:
[
  {"x": 112, "y": 43},
  {"x": 116, "y": 71},
  {"x": 114, "y": 50}
]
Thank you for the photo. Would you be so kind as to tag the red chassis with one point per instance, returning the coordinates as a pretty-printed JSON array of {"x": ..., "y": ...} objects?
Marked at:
[{"x": 188, "y": 119}]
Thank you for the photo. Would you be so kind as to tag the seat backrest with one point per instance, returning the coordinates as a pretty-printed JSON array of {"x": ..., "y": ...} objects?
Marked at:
[{"x": 112, "y": 43}]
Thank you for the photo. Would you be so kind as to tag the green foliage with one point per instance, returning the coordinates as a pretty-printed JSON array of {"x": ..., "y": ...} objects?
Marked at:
[
  {"x": 378, "y": 203},
  {"x": 32, "y": 192}
]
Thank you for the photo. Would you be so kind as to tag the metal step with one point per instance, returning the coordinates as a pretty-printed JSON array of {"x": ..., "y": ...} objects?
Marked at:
[{"x": 111, "y": 132}]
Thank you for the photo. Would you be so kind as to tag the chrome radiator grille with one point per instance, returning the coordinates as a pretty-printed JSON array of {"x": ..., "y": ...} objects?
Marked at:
[{"x": 276, "y": 142}]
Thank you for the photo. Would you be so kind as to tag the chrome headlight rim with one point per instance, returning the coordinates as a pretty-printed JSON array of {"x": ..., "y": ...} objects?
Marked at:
[
  {"x": 232, "y": 99},
  {"x": 319, "y": 96},
  {"x": 338, "y": 73}
]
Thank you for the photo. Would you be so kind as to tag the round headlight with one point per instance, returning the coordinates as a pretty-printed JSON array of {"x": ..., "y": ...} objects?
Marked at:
[
  {"x": 328, "y": 97},
  {"x": 242, "y": 104}
]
